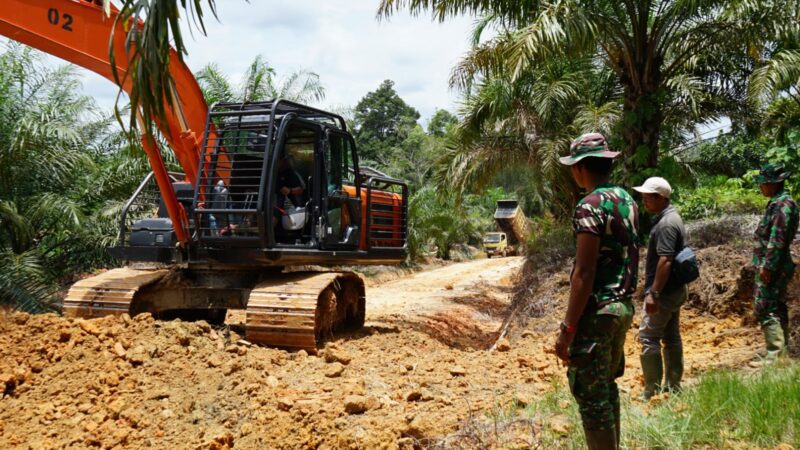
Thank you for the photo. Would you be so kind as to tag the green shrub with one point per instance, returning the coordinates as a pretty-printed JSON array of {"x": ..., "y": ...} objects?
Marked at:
[
  {"x": 718, "y": 196},
  {"x": 789, "y": 156},
  {"x": 551, "y": 243},
  {"x": 731, "y": 155}
]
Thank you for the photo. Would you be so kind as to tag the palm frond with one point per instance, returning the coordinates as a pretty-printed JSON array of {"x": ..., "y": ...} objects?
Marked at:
[
  {"x": 258, "y": 81},
  {"x": 24, "y": 282},
  {"x": 301, "y": 86},
  {"x": 148, "y": 50},
  {"x": 17, "y": 230},
  {"x": 512, "y": 11},
  {"x": 215, "y": 85},
  {"x": 780, "y": 73}
]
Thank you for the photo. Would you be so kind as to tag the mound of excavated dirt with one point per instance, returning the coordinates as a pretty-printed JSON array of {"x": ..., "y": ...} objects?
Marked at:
[
  {"x": 129, "y": 383},
  {"x": 417, "y": 372},
  {"x": 726, "y": 282}
]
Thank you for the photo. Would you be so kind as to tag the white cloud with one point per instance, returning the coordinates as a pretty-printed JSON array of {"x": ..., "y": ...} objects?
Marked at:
[{"x": 341, "y": 40}]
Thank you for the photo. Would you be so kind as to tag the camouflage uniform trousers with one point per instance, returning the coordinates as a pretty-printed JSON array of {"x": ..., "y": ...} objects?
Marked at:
[
  {"x": 770, "y": 299},
  {"x": 597, "y": 358}
]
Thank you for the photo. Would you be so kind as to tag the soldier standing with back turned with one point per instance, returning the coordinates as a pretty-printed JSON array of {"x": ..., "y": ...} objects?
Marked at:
[
  {"x": 600, "y": 308},
  {"x": 773, "y": 260}
]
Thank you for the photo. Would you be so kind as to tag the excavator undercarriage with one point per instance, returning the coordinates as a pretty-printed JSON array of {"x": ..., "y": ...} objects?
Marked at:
[{"x": 295, "y": 310}]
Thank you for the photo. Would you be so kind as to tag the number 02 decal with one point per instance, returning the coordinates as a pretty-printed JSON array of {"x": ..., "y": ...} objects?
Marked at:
[{"x": 55, "y": 18}]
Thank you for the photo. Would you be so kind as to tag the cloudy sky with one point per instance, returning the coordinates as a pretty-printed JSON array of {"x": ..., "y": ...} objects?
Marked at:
[{"x": 341, "y": 40}]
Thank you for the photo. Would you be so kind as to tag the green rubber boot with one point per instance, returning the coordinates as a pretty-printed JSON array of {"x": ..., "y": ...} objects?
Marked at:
[
  {"x": 601, "y": 439},
  {"x": 652, "y": 370},
  {"x": 673, "y": 368},
  {"x": 775, "y": 340},
  {"x": 618, "y": 426}
]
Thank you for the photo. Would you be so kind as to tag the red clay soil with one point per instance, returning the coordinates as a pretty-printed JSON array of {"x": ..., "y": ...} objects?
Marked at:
[{"x": 415, "y": 373}]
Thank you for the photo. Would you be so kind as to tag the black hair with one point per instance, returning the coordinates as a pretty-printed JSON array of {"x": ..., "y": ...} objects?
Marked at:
[{"x": 596, "y": 165}]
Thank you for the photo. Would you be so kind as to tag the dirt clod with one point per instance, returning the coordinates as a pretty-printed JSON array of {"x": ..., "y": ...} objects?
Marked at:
[
  {"x": 458, "y": 371},
  {"x": 358, "y": 404},
  {"x": 333, "y": 354},
  {"x": 560, "y": 424},
  {"x": 89, "y": 327},
  {"x": 334, "y": 370},
  {"x": 214, "y": 360},
  {"x": 503, "y": 345}
]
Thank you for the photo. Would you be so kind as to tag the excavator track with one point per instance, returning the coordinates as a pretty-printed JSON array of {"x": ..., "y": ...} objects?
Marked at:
[
  {"x": 302, "y": 309},
  {"x": 296, "y": 310},
  {"x": 108, "y": 293}
]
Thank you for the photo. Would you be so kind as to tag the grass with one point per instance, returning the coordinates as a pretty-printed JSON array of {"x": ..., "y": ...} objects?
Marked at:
[{"x": 726, "y": 409}]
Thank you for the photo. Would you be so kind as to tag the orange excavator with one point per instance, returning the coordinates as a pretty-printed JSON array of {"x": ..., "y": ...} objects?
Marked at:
[{"x": 267, "y": 187}]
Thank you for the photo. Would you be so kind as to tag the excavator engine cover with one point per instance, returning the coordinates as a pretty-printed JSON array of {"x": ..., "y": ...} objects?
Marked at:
[{"x": 154, "y": 232}]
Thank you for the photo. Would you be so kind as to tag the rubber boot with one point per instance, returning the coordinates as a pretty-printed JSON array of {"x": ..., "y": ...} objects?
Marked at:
[
  {"x": 775, "y": 340},
  {"x": 617, "y": 425},
  {"x": 601, "y": 439},
  {"x": 673, "y": 368},
  {"x": 652, "y": 370}
]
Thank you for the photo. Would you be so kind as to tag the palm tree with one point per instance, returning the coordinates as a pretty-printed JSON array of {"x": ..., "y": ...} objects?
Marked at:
[
  {"x": 46, "y": 172},
  {"x": 658, "y": 50},
  {"x": 259, "y": 82},
  {"x": 40, "y": 152},
  {"x": 525, "y": 122}
]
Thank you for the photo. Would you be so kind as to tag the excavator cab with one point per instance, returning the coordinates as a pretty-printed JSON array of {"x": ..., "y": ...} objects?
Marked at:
[{"x": 337, "y": 213}]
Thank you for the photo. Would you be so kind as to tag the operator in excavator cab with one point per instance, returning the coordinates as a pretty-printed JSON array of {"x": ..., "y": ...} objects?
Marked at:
[{"x": 289, "y": 208}]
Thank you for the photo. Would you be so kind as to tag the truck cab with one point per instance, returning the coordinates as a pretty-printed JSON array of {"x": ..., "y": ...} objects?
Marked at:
[{"x": 495, "y": 243}]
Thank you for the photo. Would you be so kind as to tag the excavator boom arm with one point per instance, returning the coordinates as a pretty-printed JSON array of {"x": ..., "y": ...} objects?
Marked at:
[{"x": 79, "y": 31}]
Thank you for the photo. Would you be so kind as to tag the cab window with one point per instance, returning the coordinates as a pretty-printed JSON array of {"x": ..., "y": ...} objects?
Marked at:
[{"x": 339, "y": 163}]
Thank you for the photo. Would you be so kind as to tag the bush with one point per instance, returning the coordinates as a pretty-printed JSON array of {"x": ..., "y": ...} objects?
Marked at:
[
  {"x": 550, "y": 247},
  {"x": 731, "y": 155},
  {"x": 732, "y": 228},
  {"x": 436, "y": 224},
  {"x": 720, "y": 196},
  {"x": 550, "y": 244}
]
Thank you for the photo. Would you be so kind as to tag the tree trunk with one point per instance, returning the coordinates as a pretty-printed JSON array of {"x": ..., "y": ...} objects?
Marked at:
[{"x": 641, "y": 125}]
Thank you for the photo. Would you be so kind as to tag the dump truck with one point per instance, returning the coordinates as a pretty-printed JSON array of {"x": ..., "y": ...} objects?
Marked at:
[
  {"x": 514, "y": 230},
  {"x": 496, "y": 244}
]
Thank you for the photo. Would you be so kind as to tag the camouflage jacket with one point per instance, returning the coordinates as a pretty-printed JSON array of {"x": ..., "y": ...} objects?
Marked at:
[
  {"x": 611, "y": 213},
  {"x": 775, "y": 232}
]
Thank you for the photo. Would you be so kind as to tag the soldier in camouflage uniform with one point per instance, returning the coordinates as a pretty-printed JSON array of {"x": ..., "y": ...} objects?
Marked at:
[
  {"x": 773, "y": 260},
  {"x": 603, "y": 279}
]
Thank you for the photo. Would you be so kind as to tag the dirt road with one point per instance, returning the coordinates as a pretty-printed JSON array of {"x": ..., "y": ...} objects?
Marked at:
[
  {"x": 461, "y": 304},
  {"x": 430, "y": 291}
]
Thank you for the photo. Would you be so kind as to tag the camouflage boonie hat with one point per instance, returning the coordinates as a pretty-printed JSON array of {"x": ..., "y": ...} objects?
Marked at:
[
  {"x": 772, "y": 173},
  {"x": 589, "y": 144}
]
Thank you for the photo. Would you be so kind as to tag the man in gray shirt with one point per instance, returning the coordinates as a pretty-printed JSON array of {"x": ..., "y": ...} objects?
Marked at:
[{"x": 664, "y": 295}]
